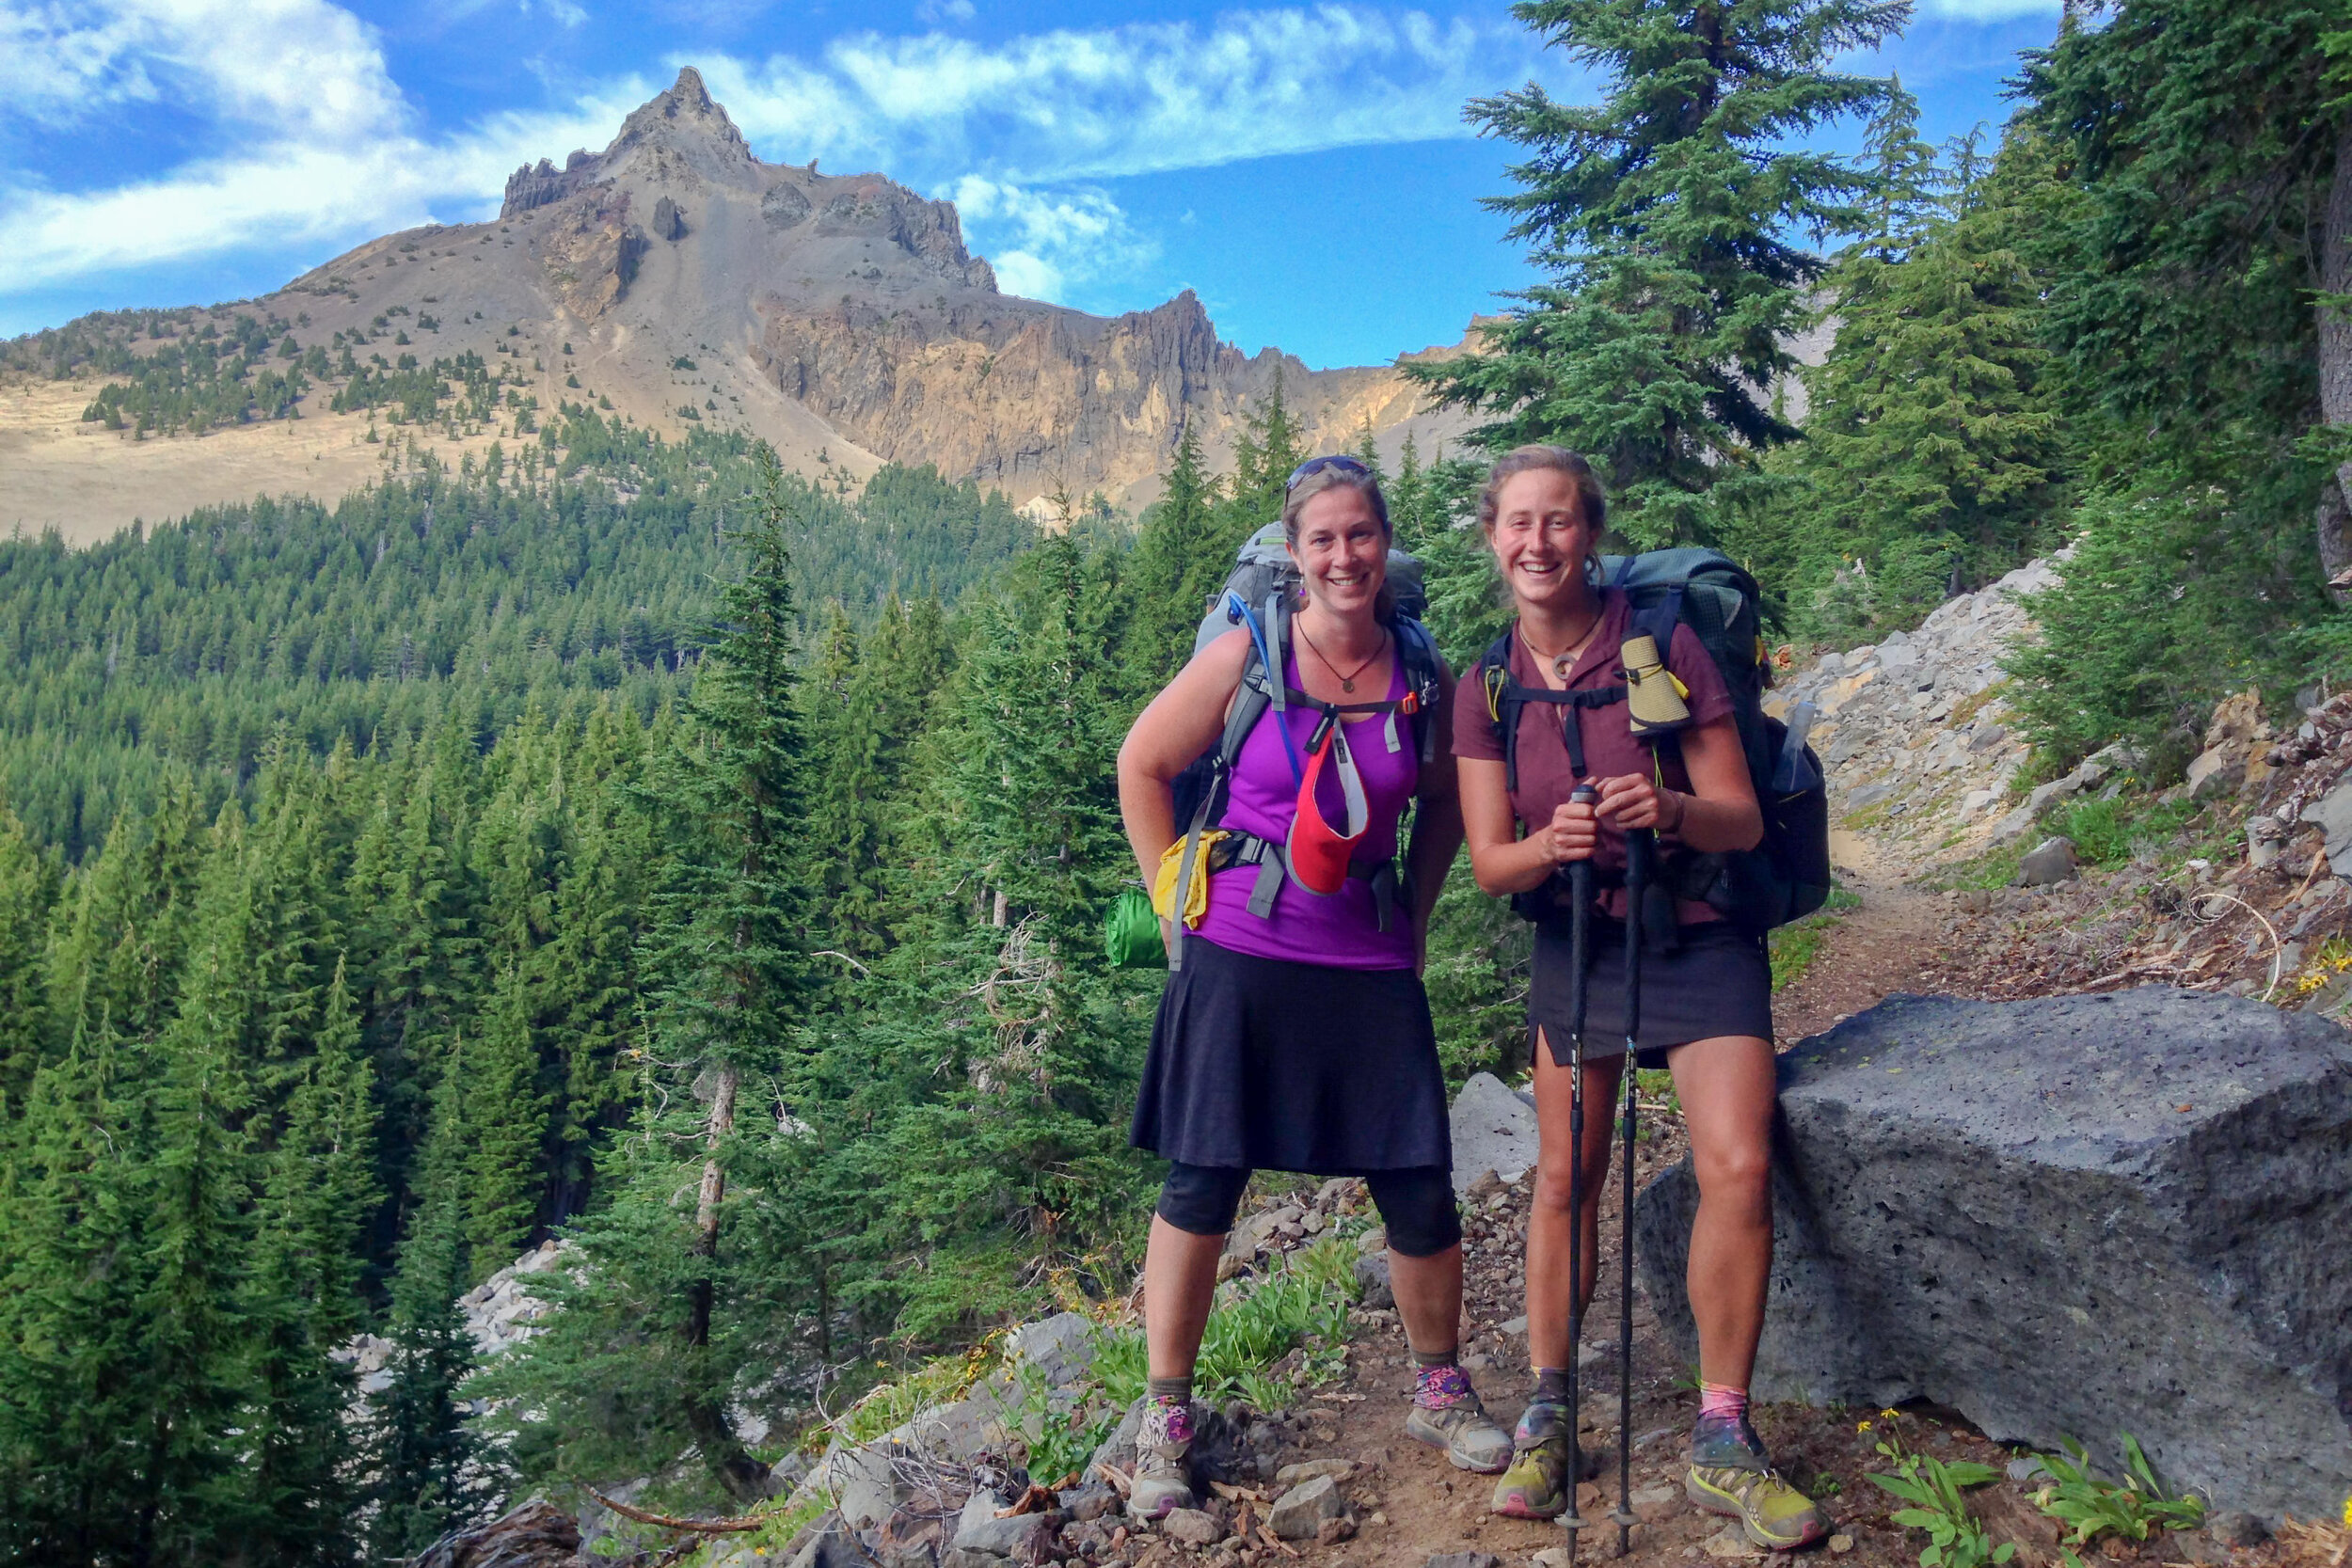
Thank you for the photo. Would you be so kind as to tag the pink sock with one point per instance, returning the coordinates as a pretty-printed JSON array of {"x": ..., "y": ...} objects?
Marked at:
[{"x": 1719, "y": 1401}]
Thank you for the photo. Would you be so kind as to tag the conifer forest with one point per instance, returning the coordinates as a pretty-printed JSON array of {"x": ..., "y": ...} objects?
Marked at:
[{"x": 623, "y": 841}]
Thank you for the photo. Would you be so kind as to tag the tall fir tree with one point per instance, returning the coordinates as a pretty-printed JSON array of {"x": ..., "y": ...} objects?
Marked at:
[
  {"x": 425, "y": 1463},
  {"x": 506, "y": 1123},
  {"x": 26, "y": 896},
  {"x": 73, "y": 1335},
  {"x": 1178, "y": 561},
  {"x": 304, "y": 1299},
  {"x": 1669, "y": 216}
]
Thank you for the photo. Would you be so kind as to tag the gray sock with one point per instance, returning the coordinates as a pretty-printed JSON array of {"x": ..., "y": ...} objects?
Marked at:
[{"x": 1177, "y": 1389}]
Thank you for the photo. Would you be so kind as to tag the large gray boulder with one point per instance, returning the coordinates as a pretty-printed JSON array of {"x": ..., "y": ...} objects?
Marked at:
[
  {"x": 2080, "y": 1217},
  {"x": 1493, "y": 1130}
]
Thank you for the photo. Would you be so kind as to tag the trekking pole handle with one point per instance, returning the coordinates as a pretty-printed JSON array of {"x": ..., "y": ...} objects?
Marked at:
[{"x": 1581, "y": 872}]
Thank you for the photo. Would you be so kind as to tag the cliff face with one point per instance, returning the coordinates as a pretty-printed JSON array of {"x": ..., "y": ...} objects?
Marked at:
[{"x": 841, "y": 317}]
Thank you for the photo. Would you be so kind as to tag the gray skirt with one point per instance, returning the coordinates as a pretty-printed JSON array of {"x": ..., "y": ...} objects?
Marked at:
[{"x": 1717, "y": 981}]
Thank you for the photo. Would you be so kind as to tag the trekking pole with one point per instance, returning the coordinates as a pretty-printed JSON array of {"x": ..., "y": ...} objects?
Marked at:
[
  {"x": 1579, "y": 951},
  {"x": 1638, "y": 846}
]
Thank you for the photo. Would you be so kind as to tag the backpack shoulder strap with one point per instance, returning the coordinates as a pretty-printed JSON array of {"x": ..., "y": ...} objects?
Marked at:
[
  {"x": 1420, "y": 653},
  {"x": 1503, "y": 697}
]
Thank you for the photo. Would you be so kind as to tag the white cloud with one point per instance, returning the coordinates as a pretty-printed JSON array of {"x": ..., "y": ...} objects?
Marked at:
[
  {"x": 936, "y": 11},
  {"x": 303, "y": 66},
  {"x": 1049, "y": 240},
  {"x": 319, "y": 146},
  {"x": 1079, "y": 104}
]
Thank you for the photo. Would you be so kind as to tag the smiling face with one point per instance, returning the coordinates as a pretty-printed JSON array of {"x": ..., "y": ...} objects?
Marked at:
[
  {"x": 1341, "y": 551},
  {"x": 1540, "y": 539}
]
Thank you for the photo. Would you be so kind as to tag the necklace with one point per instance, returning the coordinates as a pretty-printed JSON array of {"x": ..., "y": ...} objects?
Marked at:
[
  {"x": 1565, "y": 661},
  {"x": 1348, "y": 681}
]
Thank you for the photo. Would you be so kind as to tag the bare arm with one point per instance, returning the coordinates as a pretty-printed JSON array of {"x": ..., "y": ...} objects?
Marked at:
[
  {"x": 1720, "y": 813},
  {"x": 1502, "y": 861},
  {"x": 1182, "y": 721}
]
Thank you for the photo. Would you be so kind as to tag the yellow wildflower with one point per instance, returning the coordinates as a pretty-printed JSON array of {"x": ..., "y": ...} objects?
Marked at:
[
  {"x": 2348, "y": 1513},
  {"x": 1886, "y": 1414},
  {"x": 1864, "y": 1426}
]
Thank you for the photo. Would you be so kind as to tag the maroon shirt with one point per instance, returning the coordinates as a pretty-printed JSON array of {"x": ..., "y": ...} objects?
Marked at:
[{"x": 1545, "y": 778}]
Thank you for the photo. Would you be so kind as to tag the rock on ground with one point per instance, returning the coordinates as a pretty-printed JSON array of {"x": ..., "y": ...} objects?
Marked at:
[
  {"x": 539, "y": 1534},
  {"x": 2078, "y": 1217},
  {"x": 1297, "y": 1514},
  {"x": 1494, "y": 1130}
]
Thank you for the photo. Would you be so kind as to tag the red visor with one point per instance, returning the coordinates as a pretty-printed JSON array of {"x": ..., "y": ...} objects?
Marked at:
[{"x": 1318, "y": 854}]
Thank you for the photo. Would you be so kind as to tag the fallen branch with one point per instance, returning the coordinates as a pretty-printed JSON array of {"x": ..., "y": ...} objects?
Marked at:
[
  {"x": 1120, "y": 1482},
  {"x": 1265, "y": 1533},
  {"x": 705, "y": 1526},
  {"x": 1037, "y": 1499}
]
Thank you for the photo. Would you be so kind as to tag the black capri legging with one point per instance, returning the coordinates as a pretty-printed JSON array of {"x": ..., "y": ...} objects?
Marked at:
[{"x": 1417, "y": 1205}]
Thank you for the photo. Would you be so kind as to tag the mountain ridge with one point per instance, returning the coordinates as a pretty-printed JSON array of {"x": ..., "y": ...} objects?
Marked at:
[{"x": 680, "y": 280}]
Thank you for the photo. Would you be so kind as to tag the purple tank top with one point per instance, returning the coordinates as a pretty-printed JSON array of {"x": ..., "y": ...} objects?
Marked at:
[{"x": 1342, "y": 930}]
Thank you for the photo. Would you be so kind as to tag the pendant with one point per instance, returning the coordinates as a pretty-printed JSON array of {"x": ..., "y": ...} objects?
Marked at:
[
  {"x": 1348, "y": 685},
  {"x": 1560, "y": 666}
]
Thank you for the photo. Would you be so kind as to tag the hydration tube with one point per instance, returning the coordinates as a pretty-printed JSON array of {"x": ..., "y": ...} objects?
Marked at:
[{"x": 1274, "y": 674}]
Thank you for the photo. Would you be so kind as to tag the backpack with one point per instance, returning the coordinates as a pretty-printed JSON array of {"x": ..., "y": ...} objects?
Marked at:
[
  {"x": 1787, "y": 876},
  {"x": 1258, "y": 595}
]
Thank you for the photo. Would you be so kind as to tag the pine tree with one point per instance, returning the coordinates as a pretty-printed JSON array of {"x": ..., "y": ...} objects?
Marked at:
[
  {"x": 1904, "y": 177},
  {"x": 305, "y": 1297},
  {"x": 1667, "y": 216},
  {"x": 194, "y": 1309},
  {"x": 845, "y": 738},
  {"x": 427, "y": 1466},
  {"x": 26, "y": 894},
  {"x": 73, "y": 1346},
  {"x": 1264, "y": 456},
  {"x": 505, "y": 1118},
  {"x": 654, "y": 1348},
  {"x": 1177, "y": 563},
  {"x": 1933, "y": 442}
]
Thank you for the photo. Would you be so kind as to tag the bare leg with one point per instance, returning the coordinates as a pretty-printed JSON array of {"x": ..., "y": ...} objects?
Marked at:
[
  {"x": 1548, "y": 1285},
  {"x": 1727, "y": 1090},
  {"x": 1179, "y": 1285},
  {"x": 1429, "y": 1297}
]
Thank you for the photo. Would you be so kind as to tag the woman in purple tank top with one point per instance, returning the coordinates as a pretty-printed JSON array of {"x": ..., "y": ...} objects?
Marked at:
[{"x": 1296, "y": 1035}]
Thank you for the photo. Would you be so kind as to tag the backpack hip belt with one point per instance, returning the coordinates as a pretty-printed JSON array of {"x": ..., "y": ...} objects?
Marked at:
[{"x": 1246, "y": 849}]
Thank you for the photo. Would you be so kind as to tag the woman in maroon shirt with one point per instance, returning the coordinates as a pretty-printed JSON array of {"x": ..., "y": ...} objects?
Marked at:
[{"x": 1706, "y": 994}]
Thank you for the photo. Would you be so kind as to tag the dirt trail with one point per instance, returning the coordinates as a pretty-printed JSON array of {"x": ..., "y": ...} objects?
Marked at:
[{"x": 1411, "y": 1506}]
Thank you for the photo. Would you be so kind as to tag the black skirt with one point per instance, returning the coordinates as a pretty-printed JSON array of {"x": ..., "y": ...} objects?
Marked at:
[
  {"x": 1717, "y": 981},
  {"x": 1266, "y": 1064}
]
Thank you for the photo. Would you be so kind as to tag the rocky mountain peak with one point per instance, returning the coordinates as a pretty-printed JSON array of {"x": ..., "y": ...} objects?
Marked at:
[
  {"x": 677, "y": 136},
  {"x": 686, "y": 117}
]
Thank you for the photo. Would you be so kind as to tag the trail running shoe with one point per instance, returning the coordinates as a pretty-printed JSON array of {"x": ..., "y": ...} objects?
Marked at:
[
  {"x": 1163, "y": 1452},
  {"x": 1536, "y": 1484},
  {"x": 1447, "y": 1414},
  {"x": 1731, "y": 1475}
]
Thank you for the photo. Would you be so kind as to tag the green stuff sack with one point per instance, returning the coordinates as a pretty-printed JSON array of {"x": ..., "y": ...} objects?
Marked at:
[{"x": 1131, "y": 932}]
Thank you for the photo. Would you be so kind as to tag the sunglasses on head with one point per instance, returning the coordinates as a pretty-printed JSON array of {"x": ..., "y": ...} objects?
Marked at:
[{"x": 1316, "y": 466}]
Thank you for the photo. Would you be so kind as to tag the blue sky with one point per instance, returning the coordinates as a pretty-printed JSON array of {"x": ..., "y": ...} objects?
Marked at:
[{"x": 1304, "y": 168}]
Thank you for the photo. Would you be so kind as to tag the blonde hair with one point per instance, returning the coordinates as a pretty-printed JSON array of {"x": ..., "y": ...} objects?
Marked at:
[{"x": 1365, "y": 485}]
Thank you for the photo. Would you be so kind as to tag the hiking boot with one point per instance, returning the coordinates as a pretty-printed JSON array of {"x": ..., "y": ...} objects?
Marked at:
[
  {"x": 1163, "y": 1454},
  {"x": 1447, "y": 1414},
  {"x": 1536, "y": 1484},
  {"x": 1730, "y": 1475}
]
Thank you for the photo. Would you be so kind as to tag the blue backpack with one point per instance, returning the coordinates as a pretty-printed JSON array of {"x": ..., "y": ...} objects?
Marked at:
[{"x": 1258, "y": 595}]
